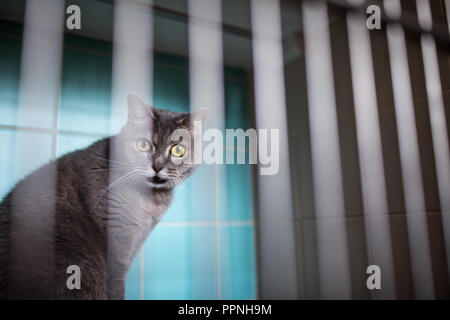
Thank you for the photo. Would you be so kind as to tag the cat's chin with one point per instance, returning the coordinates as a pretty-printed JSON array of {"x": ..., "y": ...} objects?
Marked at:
[
  {"x": 156, "y": 182},
  {"x": 164, "y": 186}
]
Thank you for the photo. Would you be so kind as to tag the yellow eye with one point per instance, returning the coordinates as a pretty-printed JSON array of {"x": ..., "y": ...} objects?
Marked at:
[
  {"x": 177, "y": 151},
  {"x": 143, "y": 145}
]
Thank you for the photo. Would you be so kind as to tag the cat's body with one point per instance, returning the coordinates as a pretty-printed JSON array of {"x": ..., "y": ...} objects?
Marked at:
[
  {"x": 72, "y": 212},
  {"x": 85, "y": 236}
]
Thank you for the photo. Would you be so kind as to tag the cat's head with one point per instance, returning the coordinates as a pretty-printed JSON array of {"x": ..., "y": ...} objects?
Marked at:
[{"x": 147, "y": 143}]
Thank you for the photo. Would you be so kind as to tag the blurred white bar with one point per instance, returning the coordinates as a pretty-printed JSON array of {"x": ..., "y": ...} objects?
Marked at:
[
  {"x": 277, "y": 269},
  {"x": 392, "y": 8},
  {"x": 206, "y": 59},
  {"x": 437, "y": 119},
  {"x": 370, "y": 154},
  {"x": 424, "y": 14},
  {"x": 41, "y": 63},
  {"x": 410, "y": 161},
  {"x": 334, "y": 273},
  {"x": 40, "y": 72},
  {"x": 132, "y": 73},
  {"x": 207, "y": 91},
  {"x": 132, "y": 57}
]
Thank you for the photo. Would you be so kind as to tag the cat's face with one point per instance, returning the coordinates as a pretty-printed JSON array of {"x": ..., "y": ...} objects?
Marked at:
[{"x": 147, "y": 144}]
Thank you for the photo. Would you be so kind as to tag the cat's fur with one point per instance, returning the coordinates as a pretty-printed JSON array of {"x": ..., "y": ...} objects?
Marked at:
[{"x": 61, "y": 215}]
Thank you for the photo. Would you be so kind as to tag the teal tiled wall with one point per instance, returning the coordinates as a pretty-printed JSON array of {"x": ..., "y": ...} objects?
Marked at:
[
  {"x": 192, "y": 253},
  {"x": 21, "y": 152},
  {"x": 87, "y": 75}
]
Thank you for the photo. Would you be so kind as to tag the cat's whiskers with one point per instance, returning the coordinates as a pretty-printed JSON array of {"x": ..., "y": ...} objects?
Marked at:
[
  {"x": 120, "y": 163},
  {"x": 194, "y": 184},
  {"x": 180, "y": 182},
  {"x": 117, "y": 182},
  {"x": 106, "y": 169},
  {"x": 136, "y": 179}
]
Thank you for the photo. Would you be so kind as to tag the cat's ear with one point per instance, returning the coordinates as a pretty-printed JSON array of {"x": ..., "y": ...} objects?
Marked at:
[
  {"x": 199, "y": 115},
  {"x": 138, "y": 110}
]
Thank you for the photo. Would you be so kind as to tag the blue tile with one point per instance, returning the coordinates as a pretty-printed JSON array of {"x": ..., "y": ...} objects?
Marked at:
[
  {"x": 180, "y": 262},
  {"x": 237, "y": 262},
  {"x": 66, "y": 143},
  {"x": 236, "y": 104},
  {"x": 10, "y": 53},
  {"x": 180, "y": 209},
  {"x": 133, "y": 280},
  {"x": 37, "y": 108},
  {"x": 203, "y": 250},
  {"x": 171, "y": 88},
  {"x": 20, "y": 154},
  {"x": 209, "y": 194},
  {"x": 239, "y": 193},
  {"x": 85, "y": 95}
]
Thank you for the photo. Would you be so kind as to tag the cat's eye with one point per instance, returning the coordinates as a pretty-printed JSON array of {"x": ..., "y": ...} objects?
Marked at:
[
  {"x": 143, "y": 145},
  {"x": 177, "y": 151}
]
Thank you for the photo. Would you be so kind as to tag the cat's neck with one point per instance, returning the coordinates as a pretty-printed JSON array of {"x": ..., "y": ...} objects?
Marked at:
[
  {"x": 156, "y": 202},
  {"x": 130, "y": 210}
]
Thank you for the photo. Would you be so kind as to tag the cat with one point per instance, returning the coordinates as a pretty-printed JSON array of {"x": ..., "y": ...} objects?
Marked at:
[{"x": 93, "y": 208}]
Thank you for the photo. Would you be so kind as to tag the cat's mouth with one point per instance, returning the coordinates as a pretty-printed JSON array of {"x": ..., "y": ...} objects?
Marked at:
[{"x": 157, "y": 180}]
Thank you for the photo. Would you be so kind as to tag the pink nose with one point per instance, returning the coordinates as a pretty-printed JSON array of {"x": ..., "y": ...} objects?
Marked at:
[{"x": 157, "y": 168}]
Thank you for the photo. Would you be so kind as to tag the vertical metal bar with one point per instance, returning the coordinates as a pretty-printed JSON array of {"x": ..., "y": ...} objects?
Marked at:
[
  {"x": 409, "y": 157},
  {"x": 370, "y": 154},
  {"x": 40, "y": 70},
  {"x": 132, "y": 73},
  {"x": 207, "y": 91},
  {"x": 132, "y": 57},
  {"x": 41, "y": 63},
  {"x": 278, "y": 278},
  {"x": 334, "y": 270},
  {"x": 437, "y": 118}
]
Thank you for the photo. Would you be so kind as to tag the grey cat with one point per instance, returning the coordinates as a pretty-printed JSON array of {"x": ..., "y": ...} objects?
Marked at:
[{"x": 93, "y": 208}]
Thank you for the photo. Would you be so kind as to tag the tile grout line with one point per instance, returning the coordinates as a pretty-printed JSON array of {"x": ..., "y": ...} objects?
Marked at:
[
  {"x": 55, "y": 123},
  {"x": 50, "y": 131},
  {"x": 87, "y": 134},
  {"x": 55, "y": 106},
  {"x": 142, "y": 273},
  {"x": 235, "y": 223},
  {"x": 219, "y": 295}
]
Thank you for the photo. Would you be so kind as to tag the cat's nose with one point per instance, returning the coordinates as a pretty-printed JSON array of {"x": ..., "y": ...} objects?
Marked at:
[{"x": 157, "y": 167}]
